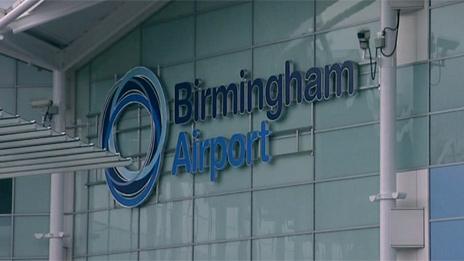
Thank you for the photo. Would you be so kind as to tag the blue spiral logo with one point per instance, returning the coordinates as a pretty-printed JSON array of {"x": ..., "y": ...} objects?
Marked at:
[{"x": 139, "y": 86}]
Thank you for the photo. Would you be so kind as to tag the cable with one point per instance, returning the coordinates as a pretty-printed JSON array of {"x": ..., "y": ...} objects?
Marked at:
[
  {"x": 396, "y": 36},
  {"x": 373, "y": 64}
]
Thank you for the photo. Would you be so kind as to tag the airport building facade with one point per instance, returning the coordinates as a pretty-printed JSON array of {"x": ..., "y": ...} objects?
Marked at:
[{"x": 310, "y": 200}]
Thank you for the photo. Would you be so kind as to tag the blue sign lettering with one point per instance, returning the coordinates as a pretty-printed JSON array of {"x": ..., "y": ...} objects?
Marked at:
[{"x": 191, "y": 156}]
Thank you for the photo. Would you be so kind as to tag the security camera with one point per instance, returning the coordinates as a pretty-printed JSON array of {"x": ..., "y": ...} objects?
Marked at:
[{"x": 363, "y": 37}]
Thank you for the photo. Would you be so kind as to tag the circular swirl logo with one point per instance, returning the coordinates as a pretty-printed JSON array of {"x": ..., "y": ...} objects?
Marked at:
[{"x": 140, "y": 86}]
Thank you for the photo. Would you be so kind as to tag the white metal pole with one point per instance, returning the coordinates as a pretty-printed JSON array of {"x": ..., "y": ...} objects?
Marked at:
[
  {"x": 56, "y": 250},
  {"x": 387, "y": 132}
]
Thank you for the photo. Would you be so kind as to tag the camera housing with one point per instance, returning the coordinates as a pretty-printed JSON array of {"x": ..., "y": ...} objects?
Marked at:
[{"x": 363, "y": 38}]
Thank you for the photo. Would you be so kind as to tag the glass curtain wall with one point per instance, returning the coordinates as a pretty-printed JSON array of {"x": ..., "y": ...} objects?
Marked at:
[
  {"x": 311, "y": 202},
  {"x": 446, "y": 125},
  {"x": 24, "y": 201}
]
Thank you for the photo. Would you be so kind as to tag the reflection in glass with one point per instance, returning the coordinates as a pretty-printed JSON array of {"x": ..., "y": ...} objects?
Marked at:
[
  {"x": 447, "y": 143},
  {"x": 5, "y": 236},
  {"x": 274, "y": 20},
  {"x": 25, "y": 244},
  {"x": 174, "y": 254},
  {"x": 283, "y": 248},
  {"x": 348, "y": 245},
  {"x": 283, "y": 210},
  {"x": 222, "y": 252},
  {"x": 445, "y": 93},
  {"x": 166, "y": 224},
  {"x": 98, "y": 232},
  {"x": 444, "y": 23},
  {"x": 335, "y": 13},
  {"x": 342, "y": 204},
  {"x": 224, "y": 217}
]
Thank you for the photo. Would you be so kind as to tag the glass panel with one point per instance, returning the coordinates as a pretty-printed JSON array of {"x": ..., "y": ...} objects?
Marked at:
[
  {"x": 172, "y": 10},
  {"x": 224, "y": 126},
  {"x": 444, "y": 92},
  {"x": 341, "y": 45},
  {"x": 167, "y": 164},
  {"x": 117, "y": 59},
  {"x": 355, "y": 151},
  {"x": 32, "y": 76},
  {"x": 412, "y": 143},
  {"x": 25, "y": 244},
  {"x": 225, "y": 251},
  {"x": 27, "y": 198},
  {"x": 276, "y": 172},
  {"x": 26, "y": 96},
  {"x": 165, "y": 224},
  {"x": 98, "y": 258},
  {"x": 333, "y": 13},
  {"x": 285, "y": 210},
  {"x": 174, "y": 130},
  {"x": 35, "y": 259},
  {"x": 275, "y": 20},
  {"x": 205, "y": 5},
  {"x": 128, "y": 145},
  {"x": 123, "y": 257},
  {"x": 178, "y": 254},
  {"x": 341, "y": 204},
  {"x": 172, "y": 187},
  {"x": 222, "y": 70},
  {"x": 80, "y": 235},
  {"x": 230, "y": 179},
  {"x": 5, "y": 237},
  {"x": 8, "y": 69},
  {"x": 447, "y": 138},
  {"x": 270, "y": 60},
  {"x": 343, "y": 111},
  {"x": 172, "y": 75},
  {"x": 439, "y": 2},
  {"x": 98, "y": 232},
  {"x": 82, "y": 95},
  {"x": 80, "y": 191},
  {"x": 348, "y": 245},
  {"x": 446, "y": 240},
  {"x": 223, "y": 30},
  {"x": 284, "y": 248},
  {"x": 6, "y": 193},
  {"x": 99, "y": 90},
  {"x": 8, "y": 99},
  {"x": 98, "y": 197},
  {"x": 446, "y": 192},
  {"x": 445, "y": 22},
  {"x": 412, "y": 90},
  {"x": 288, "y": 144},
  {"x": 123, "y": 229},
  {"x": 177, "y": 35},
  {"x": 224, "y": 217}
]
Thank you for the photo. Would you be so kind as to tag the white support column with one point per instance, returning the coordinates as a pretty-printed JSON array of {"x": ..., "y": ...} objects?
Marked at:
[
  {"x": 387, "y": 131},
  {"x": 56, "y": 250}
]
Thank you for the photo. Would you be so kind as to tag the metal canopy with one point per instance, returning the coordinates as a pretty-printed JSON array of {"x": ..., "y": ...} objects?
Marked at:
[{"x": 26, "y": 148}]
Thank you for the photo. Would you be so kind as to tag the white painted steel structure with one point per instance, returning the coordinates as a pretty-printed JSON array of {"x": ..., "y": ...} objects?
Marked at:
[
  {"x": 27, "y": 148},
  {"x": 56, "y": 250},
  {"x": 387, "y": 131}
]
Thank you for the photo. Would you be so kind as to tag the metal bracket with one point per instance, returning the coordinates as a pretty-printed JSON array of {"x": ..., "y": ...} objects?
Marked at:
[
  {"x": 392, "y": 196},
  {"x": 49, "y": 235}
]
